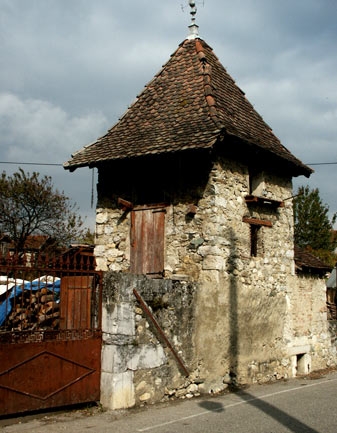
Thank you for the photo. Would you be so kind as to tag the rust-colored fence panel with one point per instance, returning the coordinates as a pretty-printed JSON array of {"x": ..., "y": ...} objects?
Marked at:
[
  {"x": 50, "y": 331},
  {"x": 49, "y": 374}
]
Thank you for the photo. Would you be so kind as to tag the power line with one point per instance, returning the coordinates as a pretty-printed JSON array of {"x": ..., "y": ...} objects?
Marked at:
[
  {"x": 61, "y": 165},
  {"x": 323, "y": 163},
  {"x": 29, "y": 163}
]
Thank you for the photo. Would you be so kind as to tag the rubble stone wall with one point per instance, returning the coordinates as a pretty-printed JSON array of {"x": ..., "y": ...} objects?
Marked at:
[
  {"x": 250, "y": 319},
  {"x": 310, "y": 327},
  {"x": 138, "y": 366}
]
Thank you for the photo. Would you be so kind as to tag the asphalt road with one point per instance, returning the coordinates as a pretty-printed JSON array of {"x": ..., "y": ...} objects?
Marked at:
[{"x": 301, "y": 405}]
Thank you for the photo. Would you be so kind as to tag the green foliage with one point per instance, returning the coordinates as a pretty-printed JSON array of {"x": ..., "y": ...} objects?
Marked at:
[
  {"x": 88, "y": 237},
  {"x": 30, "y": 205},
  {"x": 313, "y": 229}
]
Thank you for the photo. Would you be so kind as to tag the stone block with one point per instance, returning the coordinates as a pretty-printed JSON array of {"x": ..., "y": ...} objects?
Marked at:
[
  {"x": 145, "y": 357},
  {"x": 108, "y": 353},
  {"x": 210, "y": 251},
  {"x": 215, "y": 263},
  {"x": 117, "y": 391},
  {"x": 299, "y": 349},
  {"x": 102, "y": 217},
  {"x": 121, "y": 320},
  {"x": 193, "y": 388},
  {"x": 145, "y": 397}
]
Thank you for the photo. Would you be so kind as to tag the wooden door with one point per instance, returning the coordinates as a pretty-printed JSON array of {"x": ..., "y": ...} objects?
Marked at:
[
  {"x": 147, "y": 241},
  {"x": 76, "y": 294}
]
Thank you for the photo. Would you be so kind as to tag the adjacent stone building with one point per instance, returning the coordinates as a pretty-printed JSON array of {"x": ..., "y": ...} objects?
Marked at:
[{"x": 195, "y": 217}]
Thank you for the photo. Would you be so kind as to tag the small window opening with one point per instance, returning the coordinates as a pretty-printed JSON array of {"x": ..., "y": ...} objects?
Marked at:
[
  {"x": 256, "y": 183},
  {"x": 303, "y": 363},
  {"x": 254, "y": 239}
]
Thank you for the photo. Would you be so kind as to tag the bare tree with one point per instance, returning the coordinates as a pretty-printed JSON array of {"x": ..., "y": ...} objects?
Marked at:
[{"x": 30, "y": 205}]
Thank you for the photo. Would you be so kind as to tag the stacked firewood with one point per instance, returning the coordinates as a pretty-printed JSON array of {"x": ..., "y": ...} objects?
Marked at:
[
  {"x": 34, "y": 310},
  {"x": 332, "y": 311}
]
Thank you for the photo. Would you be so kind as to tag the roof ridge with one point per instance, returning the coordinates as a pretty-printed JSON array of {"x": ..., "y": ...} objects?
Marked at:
[{"x": 207, "y": 80}]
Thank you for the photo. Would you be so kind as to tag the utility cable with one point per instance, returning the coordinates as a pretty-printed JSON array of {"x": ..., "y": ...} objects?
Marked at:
[
  {"x": 30, "y": 163},
  {"x": 61, "y": 165}
]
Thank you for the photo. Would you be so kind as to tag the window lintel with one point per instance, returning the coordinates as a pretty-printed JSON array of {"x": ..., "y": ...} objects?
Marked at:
[{"x": 257, "y": 222}]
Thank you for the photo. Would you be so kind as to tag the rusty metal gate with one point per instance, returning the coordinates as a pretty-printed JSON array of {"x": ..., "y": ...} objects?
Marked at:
[{"x": 50, "y": 331}]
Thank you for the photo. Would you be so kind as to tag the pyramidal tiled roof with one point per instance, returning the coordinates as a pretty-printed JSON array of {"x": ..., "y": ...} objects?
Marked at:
[{"x": 189, "y": 104}]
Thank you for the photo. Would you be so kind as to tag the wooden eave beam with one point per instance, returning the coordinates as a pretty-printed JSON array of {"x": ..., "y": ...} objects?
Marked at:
[
  {"x": 124, "y": 204},
  {"x": 263, "y": 201},
  {"x": 257, "y": 222}
]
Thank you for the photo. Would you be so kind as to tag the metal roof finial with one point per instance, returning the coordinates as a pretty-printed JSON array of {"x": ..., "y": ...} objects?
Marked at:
[{"x": 194, "y": 28}]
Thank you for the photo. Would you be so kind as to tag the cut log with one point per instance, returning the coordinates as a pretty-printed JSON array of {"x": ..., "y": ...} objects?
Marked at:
[
  {"x": 33, "y": 310},
  {"x": 46, "y": 298}
]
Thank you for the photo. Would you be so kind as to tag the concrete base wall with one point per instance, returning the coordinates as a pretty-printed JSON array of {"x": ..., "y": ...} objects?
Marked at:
[
  {"x": 222, "y": 333},
  {"x": 137, "y": 364}
]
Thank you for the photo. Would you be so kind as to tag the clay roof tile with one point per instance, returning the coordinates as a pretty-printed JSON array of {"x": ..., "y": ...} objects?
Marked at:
[{"x": 192, "y": 97}]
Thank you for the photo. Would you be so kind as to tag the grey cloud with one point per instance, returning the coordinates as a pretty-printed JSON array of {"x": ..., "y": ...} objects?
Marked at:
[{"x": 71, "y": 68}]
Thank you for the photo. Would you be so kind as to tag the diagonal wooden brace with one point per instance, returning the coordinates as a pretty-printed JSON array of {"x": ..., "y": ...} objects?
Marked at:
[{"x": 147, "y": 311}]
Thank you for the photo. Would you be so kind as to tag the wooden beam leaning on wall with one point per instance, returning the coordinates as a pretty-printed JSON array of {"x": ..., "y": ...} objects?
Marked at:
[{"x": 162, "y": 335}]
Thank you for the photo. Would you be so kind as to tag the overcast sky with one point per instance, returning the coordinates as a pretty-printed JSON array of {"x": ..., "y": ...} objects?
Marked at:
[{"x": 70, "y": 68}]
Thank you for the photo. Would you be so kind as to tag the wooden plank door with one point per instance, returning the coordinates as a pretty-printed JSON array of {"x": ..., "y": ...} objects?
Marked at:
[
  {"x": 76, "y": 293},
  {"x": 147, "y": 241}
]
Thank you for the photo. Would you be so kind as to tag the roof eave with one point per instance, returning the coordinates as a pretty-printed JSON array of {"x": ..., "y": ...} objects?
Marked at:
[{"x": 73, "y": 166}]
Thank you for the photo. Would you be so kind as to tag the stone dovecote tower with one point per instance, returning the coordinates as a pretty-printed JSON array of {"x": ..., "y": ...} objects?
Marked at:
[{"x": 195, "y": 188}]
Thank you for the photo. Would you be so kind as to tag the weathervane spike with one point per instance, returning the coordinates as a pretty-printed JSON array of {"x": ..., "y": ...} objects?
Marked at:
[{"x": 194, "y": 28}]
